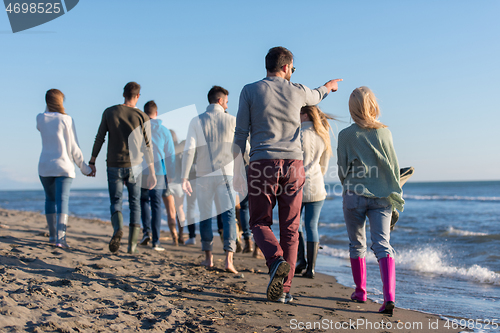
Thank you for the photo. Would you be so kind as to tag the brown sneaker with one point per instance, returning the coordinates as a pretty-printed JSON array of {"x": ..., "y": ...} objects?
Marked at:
[{"x": 248, "y": 246}]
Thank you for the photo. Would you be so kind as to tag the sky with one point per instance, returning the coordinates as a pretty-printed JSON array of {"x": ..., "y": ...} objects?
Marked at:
[{"x": 433, "y": 66}]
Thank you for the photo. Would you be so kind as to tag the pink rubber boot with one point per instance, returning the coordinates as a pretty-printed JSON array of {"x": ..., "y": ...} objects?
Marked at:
[
  {"x": 358, "y": 267},
  {"x": 388, "y": 275}
]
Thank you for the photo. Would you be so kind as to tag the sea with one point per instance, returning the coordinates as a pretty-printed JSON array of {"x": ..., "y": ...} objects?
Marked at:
[{"x": 447, "y": 243}]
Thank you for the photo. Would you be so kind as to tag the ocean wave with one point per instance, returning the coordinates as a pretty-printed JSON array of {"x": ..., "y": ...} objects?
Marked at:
[
  {"x": 450, "y": 198},
  {"x": 458, "y": 232},
  {"x": 331, "y": 225},
  {"x": 103, "y": 194},
  {"x": 426, "y": 261},
  {"x": 334, "y": 252},
  {"x": 433, "y": 261}
]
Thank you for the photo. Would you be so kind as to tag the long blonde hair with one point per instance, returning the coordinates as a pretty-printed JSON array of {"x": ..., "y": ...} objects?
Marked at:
[
  {"x": 54, "y": 99},
  {"x": 364, "y": 108},
  {"x": 320, "y": 124}
]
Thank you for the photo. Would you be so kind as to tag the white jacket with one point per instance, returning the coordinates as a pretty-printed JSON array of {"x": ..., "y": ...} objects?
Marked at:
[
  {"x": 60, "y": 149},
  {"x": 218, "y": 129},
  {"x": 316, "y": 160}
]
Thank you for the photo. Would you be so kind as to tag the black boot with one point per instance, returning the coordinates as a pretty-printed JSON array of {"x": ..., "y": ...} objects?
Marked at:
[
  {"x": 312, "y": 253},
  {"x": 301, "y": 263},
  {"x": 117, "y": 222}
]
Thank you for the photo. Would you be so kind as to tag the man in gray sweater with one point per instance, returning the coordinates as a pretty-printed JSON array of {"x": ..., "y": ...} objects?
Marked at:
[{"x": 269, "y": 110}]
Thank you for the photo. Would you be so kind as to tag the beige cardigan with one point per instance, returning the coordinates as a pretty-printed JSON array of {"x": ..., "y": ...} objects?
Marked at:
[{"x": 316, "y": 160}]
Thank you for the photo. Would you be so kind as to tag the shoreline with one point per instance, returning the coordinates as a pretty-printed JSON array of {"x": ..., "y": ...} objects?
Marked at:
[
  {"x": 165, "y": 237},
  {"x": 88, "y": 289}
]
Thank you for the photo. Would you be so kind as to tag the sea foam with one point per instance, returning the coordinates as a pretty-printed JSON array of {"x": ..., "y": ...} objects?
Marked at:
[
  {"x": 333, "y": 252},
  {"x": 433, "y": 261},
  {"x": 92, "y": 194},
  {"x": 331, "y": 225},
  {"x": 450, "y": 198},
  {"x": 457, "y": 232}
]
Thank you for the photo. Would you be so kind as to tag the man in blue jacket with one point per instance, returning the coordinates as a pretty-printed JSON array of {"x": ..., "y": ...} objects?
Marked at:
[{"x": 164, "y": 165}]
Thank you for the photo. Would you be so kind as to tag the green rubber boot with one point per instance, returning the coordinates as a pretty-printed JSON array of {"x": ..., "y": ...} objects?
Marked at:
[
  {"x": 117, "y": 222},
  {"x": 134, "y": 233}
]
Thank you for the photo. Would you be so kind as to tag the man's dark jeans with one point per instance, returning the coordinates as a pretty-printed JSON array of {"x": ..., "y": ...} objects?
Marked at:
[
  {"x": 117, "y": 178},
  {"x": 270, "y": 181}
]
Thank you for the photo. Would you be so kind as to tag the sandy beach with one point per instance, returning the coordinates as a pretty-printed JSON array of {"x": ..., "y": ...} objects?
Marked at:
[{"x": 88, "y": 289}]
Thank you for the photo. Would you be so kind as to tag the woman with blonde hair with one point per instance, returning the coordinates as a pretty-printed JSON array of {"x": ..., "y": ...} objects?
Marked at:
[
  {"x": 317, "y": 151},
  {"x": 369, "y": 171},
  {"x": 56, "y": 167}
]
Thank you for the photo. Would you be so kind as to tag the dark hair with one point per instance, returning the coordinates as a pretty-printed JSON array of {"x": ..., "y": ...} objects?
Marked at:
[
  {"x": 278, "y": 57},
  {"x": 215, "y": 93},
  {"x": 150, "y": 108},
  {"x": 54, "y": 99},
  {"x": 131, "y": 90}
]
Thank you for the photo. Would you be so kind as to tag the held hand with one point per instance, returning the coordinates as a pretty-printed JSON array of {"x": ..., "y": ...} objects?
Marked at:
[
  {"x": 92, "y": 173},
  {"x": 151, "y": 182},
  {"x": 186, "y": 187},
  {"x": 332, "y": 85}
]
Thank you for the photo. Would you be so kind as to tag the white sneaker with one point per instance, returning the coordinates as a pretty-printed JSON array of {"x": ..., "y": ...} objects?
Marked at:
[
  {"x": 158, "y": 248},
  {"x": 190, "y": 241},
  {"x": 285, "y": 298}
]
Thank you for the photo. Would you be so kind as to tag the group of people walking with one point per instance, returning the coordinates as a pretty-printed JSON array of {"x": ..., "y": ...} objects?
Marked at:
[{"x": 275, "y": 151}]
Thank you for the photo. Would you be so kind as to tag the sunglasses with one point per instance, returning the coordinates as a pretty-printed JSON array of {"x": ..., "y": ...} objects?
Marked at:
[{"x": 293, "y": 69}]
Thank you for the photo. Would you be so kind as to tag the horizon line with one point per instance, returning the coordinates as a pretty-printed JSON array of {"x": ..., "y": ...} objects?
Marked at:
[{"x": 409, "y": 182}]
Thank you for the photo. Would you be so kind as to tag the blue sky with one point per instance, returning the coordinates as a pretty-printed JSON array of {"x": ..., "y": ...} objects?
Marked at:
[{"x": 432, "y": 64}]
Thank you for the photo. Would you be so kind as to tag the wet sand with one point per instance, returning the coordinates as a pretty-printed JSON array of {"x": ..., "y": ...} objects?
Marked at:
[{"x": 88, "y": 289}]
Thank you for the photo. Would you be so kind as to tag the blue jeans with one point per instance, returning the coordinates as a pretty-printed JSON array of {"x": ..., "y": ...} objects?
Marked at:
[
  {"x": 245, "y": 218},
  {"x": 56, "y": 194},
  {"x": 151, "y": 217},
  {"x": 215, "y": 188},
  {"x": 117, "y": 178},
  {"x": 310, "y": 219},
  {"x": 379, "y": 211}
]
